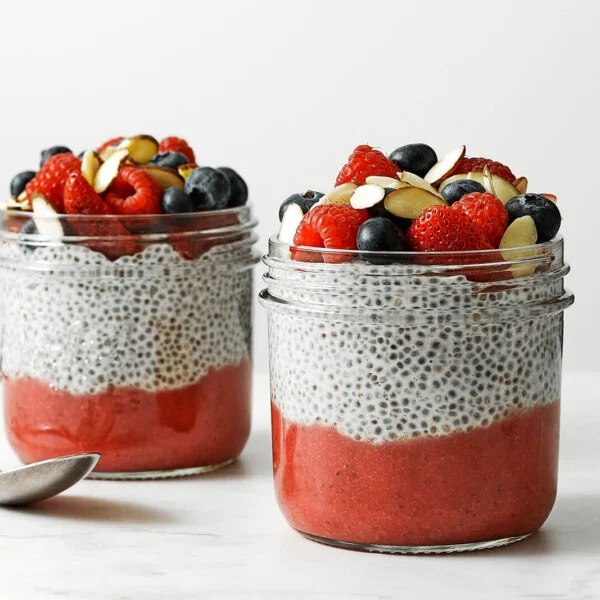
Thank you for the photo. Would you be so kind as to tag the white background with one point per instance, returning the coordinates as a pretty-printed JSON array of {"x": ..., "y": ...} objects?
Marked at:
[{"x": 282, "y": 91}]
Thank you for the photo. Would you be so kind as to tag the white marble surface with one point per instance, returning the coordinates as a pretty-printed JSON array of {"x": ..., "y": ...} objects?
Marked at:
[{"x": 221, "y": 536}]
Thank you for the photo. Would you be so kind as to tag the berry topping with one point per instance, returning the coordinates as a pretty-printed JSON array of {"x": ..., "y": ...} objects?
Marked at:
[
  {"x": 415, "y": 158},
  {"x": 468, "y": 165},
  {"x": 208, "y": 188},
  {"x": 365, "y": 161},
  {"x": 175, "y": 144},
  {"x": 238, "y": 190},
  {"x": 305, "y": 201},
  {"x": 444, "y": 229},
  {"x": 330, "y": 226},
  {"x": 379, "y": 234},
  {"x": 172, "y": 160},
  {"x": 53, "y": 151},
  {"x": 19, "y": 181},
  {"x": 454, "y": 191},
  {"x": 175, "y": 200},
  {"x": 488, "y": 214},
  {"x": 543, "y": 211},
  {"x": 81, "y": 199},
  {"x": 112, "y": 142},
  {"x": 134, "y": 192},
  {"x": 50, "y": 179}
]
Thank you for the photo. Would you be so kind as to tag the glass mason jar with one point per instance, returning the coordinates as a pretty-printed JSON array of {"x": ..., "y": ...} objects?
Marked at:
[
  {"x": 128, "y": 336},
  {"x": 415, "y": 397}
]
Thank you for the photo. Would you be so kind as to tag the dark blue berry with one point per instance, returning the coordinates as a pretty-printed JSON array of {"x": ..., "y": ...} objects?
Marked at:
[
  {"x": 171, "y": 160},
  {"x": 414, "y": 158},
  {"x": 544, "y": 212},
  {"x": 237, "y": 186},
  {"x": 19, "y": 181},
  {"x": 46, "y": 154},
  {"x": 380, "y": 235},
  {"x": 208, "y": 188},
  {"x": 454, "y": 191},
  {"x": 305, "y": 201},
  {"x": 175, "y": 200}
]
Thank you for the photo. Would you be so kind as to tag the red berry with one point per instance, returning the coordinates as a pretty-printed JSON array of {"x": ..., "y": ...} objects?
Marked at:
[
  {"x": 468, "y": 165},
  {"x": 51, "y": 178},
  {"x": 175, "y": 144},
  {"x": 443, "y": 229},
  {"x": 134, "y": 192},
  {"x": 108, "y": 143},
  {"x": 329, "y": 226},
  {"x": 488, "y": 214},
  {"x": 81, "y": 199},
  {"x": 365, "y": 161}
]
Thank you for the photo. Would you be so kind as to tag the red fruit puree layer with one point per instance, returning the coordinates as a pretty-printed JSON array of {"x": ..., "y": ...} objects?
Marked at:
[
  {"x": 490, "y": 483},
  {"x": 205, "y": 423}
]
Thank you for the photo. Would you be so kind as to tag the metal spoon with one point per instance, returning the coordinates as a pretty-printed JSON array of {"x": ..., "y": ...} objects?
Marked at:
[{"x": 44, "y": 479}]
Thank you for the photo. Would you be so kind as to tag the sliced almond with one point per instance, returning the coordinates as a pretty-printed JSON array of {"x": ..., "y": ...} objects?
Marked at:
[
  {"x": 550, "y": 197},
  {"x": 109, "y": 170},
  {"x": 444, "y": 167},
  {"x": 384, "y": 182},
  {"x": 164, "y": 176},
  {"x": 366, "y": 196},
  {"x": 340, "y": 194},
  {"x": 141, "y": 148},
  {"x": 494, "y": 184},
  {"x": 292, "y": 217},
  {"x": 90, "y": 163},
  {"x": 185, "y": 170},
  {"x": 419, "y": 182},
  {"x": 110, "y": 150},
  {"x": 521, "y": 184},
  {"x": 520, "y": 234},
  {"x": 410, "y": 202},
  {"x": 45, "y": 217}
]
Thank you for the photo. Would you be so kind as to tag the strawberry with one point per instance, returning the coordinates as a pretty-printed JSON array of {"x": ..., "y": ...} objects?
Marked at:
[
  {"x": 365, "y": 161},
  {"x": 328, "y": 226},
  {"x": 50, "y": 179},
  {"x": 134, "y": 192},
  {"x": 175, "y": 144},
  {"x": 444, "y": 229},
  {"x": 468, "y": 165},
  {"x": 488, "y": 214}
]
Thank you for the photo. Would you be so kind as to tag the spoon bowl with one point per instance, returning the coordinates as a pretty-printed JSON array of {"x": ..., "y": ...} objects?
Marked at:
[{"x": 44, "y": 479}]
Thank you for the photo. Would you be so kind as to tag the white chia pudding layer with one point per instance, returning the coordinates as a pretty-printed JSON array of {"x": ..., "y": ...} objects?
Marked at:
[
  {"x": 397, "y": 357},
  {"x": 153, "y": 321}
]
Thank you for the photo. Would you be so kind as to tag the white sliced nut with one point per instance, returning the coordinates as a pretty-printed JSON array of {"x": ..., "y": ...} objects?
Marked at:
[
  {"x": 141, "y": 148},
  {"x": 521, "y": 184},
  {"x": 550, "y": 197},
  {"x": 185, "y": 170},
  {"x": 340, "y": 194},
  {"x": 443, "y": 168},
  {"x": 164, "y": 176},
  {"x": 384, "y": 182},
  {"x": 90, "y": 163},
  {"x": 366, "y": 196},
  {"x": 521, "y": 233},
  {"x": 410, "y": 202},
  {"x": 419, "y": 182},
  {"x": 109, "y": 170},
  {"x": 292, "y": 217},
  {"x": 46, "y": 218}
]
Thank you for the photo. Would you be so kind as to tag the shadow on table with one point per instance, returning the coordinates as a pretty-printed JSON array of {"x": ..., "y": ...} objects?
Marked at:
[{"x": 85, "y": 508}]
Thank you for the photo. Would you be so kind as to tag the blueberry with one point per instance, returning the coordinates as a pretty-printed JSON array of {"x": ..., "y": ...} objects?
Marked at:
[
  {"x": 380, "y": 235},
  {"x": 415, "y": 158},
  {"x": 172, "y": 160},
  {"x": 46, "y": 154},
  {"x": 175, "y": 200},
  {"x": 305, "y": 201},
  {"x": 208, "y": 189},
  {"x": 19, "y": 181},
  {"x": 544, "y": 212},
  {"x": 237, "y": 186},
  {"x": 454, "y": 191}
]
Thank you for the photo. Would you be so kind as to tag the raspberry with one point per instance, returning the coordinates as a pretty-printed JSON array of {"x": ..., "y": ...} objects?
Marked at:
[
  {"x": 365, "y": 161},
  {"x": 488, "y": 214},
  {"x": 51, "y": 178},
  {"x": 108, "y": 143},
  {"x": 329, "y": 226},
  {"x": 134, "y": 192},
  {"x": 443, "y": 229},
  {"x": 175, "y": 144},
  {"x": 467, "y": 165},
  {"x": 81, "y": 199}
]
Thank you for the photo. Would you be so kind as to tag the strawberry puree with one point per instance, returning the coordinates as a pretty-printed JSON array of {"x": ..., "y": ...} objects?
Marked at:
[
  {"x": 135, "y": 430},
  {"x": 493, "y": 482}
]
